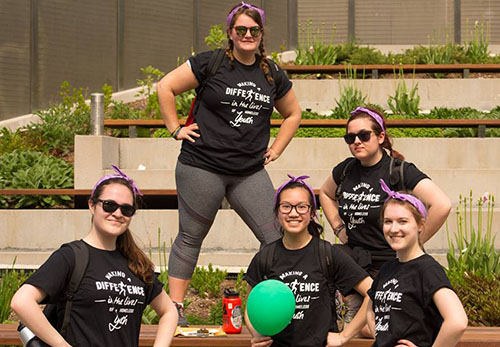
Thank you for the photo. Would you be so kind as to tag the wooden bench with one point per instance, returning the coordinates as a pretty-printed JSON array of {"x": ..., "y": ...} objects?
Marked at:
[
  {"x": 481, "y": 124},
  {"x": 473, "y": 337},
  {"x": 375, "y": 69}
]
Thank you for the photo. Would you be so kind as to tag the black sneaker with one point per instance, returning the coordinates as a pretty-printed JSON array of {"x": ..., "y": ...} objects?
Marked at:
[{"x": 182, "y": 321}]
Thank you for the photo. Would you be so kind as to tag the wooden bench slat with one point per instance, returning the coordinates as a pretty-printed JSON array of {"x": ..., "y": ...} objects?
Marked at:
[
  {"x": 327, "y": 123},
  {"x": 473, "y": 337},
  {"x": 78, "y": 192},
  {"x": 391, "y": 67}
]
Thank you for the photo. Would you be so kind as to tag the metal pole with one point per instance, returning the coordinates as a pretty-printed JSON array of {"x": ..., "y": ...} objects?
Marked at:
[
  {"x": 458, "y": 22},
  {"x": 97, "y": 114}
]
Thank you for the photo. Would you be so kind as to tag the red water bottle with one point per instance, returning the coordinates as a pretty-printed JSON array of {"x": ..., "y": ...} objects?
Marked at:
[{"x": 231, "y": 312}]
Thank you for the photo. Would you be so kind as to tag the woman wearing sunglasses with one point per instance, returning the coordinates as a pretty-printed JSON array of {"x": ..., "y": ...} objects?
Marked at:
[
  {"x": 225, "y": 150},
  {"x": 352, "y": 197},
  {"x": 118, "y": 283}
]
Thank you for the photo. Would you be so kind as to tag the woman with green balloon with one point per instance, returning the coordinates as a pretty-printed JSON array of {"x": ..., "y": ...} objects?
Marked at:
[{"x": 290, "y": 303}]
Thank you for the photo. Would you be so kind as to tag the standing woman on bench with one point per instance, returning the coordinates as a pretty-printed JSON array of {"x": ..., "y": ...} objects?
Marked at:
[
  {"x": 225, "y": 150},
  {"x": 117, "y": 285},
  {"x": 352, "y": 198}
]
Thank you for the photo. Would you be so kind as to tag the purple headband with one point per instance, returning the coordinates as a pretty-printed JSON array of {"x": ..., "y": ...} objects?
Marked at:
[
  {"x": 404, "y": 197},
  {"x": 243, "y": 4},
  {"x": 119, "y": 174},
  {"x": 372, "y": 114},
  {"x": 300, "y": 180}
]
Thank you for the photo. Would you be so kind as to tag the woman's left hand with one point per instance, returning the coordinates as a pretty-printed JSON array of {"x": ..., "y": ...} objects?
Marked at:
[
  {"x": 270, "y": 156},
  {"x": 405, "y": 343},
  {"x": 334, "y": 339}
]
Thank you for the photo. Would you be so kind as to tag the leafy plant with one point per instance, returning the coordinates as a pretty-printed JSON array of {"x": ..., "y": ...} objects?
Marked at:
[
  {"x": 216, "y": 37},
  {"x": 477, "y": 42},
  {"x": 404, "y": 102},
  {"x": 472, "y": 249},
  {"x": 151, "y": 75},
  {"x": 311, "y": 49},
  {"x": 34, "y": 170},
  {"x": 9, "y": 283},
  {"x": 183, "y": 102},
  {"x": 480, "y": 298},
  {"x": 206, "y": 282},
  {"x": 350, "y": 96}
]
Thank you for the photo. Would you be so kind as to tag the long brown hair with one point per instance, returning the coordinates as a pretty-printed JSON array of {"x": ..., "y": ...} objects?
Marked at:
[
  {"x": 264, "y": 65},
  {"x": 138, "y": 262},
  {"x": 377, "y": 129}
]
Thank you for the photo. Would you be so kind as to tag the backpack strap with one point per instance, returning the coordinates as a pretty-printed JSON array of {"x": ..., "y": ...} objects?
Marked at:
[
  {"x": 396, "y": 174},
  {"x": 273, "y": 68},
  {"x": 81, "y": 261},
  {"x": 212, "y": 67},
  {"x": 347, "y": 168},
  {"x": 266, "y": 259},
  {"x": 326, "y": 262}
]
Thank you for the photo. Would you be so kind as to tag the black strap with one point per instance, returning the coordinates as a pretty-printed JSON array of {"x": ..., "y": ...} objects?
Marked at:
[
  {"x": 396, "y": 174},
  {"x": 81, "y": 261},
  {"x": 266, "y": 259},
  {"x": 212, "y": 67},
  {"x": 347, "y": 167}
]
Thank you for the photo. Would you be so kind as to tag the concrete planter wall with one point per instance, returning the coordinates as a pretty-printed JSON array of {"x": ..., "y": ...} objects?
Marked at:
[
  {"x": 457, "y": 165},
  {"x": 481, "y": 94}
]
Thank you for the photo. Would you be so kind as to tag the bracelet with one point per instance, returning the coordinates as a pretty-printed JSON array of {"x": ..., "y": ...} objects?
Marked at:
[
  {"x": 173, "y": 132},
  {"x": 338, "y": 230},
  {"x": 177, "y": 131}
]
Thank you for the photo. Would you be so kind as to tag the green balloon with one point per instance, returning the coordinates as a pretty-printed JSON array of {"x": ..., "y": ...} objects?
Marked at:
[{"x": 270, "y": 307}]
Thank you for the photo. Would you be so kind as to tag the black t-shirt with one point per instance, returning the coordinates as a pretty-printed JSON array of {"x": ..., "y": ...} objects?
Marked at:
[
  {"x": 301, "y": 271},
  {"x": 402, "y": 301},
  {"x": 233, "y": 116},
  {"x": 107, "y": 308},
  {"x": 362, "y": 199}
]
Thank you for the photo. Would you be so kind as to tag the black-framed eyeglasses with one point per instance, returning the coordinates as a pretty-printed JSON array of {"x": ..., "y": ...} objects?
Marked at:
[
  {"x": 363, "y": 136},
  {"x": 111, "y": 206},
  {"x": 287, "y": 208},
  {"x": 241, "y": 30}
]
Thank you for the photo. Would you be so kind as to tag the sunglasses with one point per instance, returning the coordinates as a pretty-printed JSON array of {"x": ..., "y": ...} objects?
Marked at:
[
  {"x": 363, "y": 136},
  {"x": 241, "y": 30},
  {"x": 111, "y": 206}
]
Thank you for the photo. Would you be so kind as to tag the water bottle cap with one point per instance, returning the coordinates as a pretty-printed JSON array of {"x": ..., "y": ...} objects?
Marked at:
[{"x": 230, "y": 293}]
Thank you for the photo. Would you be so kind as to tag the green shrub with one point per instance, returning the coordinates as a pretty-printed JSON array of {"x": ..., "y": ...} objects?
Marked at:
[
  {"x": 34, "y": 170},
  {"x": 12, "y": 140},
  {"x": 206, "y": 282},
  {"x": 217, "y": 37},
  {"x": 183, "y": 102},
  {"x": 10, "y": 282},
  {"x": 151, "y": 75},
  {"x": 480, "y": 298}
]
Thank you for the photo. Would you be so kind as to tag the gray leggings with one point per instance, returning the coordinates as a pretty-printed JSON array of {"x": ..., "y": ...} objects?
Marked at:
[{"x": 200, "y": 193}]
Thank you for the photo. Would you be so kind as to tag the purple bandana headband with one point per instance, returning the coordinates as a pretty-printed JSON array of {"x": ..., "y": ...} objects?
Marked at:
[
  {"x": 372, "y": 114},
  {"x": 245, "y": 5},
  {"x": 119, "y": 174},
  {"x": 404, "y": 197},
  {"x": 300, "y": 180}
]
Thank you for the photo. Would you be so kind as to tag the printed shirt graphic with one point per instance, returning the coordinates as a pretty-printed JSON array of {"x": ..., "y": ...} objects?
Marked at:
[
  {"x": 301, "y": 271},
  {"x": 402, "y": 301},
  {"x": 233, "y": 116},
  {"x": 108, "y": 306},
  {"x": 362, "y": 200}
]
